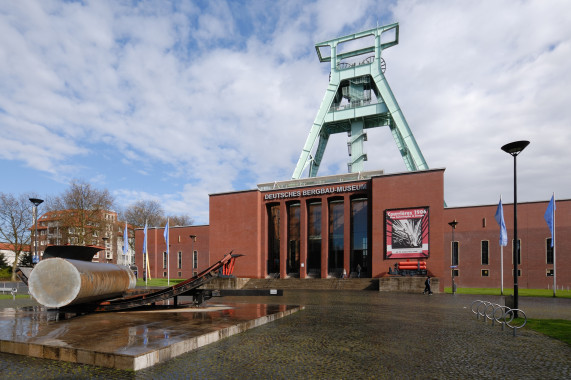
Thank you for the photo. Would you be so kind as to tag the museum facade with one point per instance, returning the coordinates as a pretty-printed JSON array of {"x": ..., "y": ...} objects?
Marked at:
[{"x": 361, "y": 225}]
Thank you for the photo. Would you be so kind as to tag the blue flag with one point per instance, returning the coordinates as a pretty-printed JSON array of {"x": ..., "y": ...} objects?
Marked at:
[
  {"x": 125, "y": 240},
  {"x": 502, "y": 223},
  {"x": 550, "y": 218},
  {"x": 167, "y": 236},
  {"x": 145, "y": 240}
]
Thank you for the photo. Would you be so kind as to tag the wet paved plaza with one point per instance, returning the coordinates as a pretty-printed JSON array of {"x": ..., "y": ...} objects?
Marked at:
[{"x": 355, "y": 334}]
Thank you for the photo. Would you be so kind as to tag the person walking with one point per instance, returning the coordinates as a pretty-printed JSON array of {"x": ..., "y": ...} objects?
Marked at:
[
  {"x": 427, "y": 286},
  {"x": 358, "y": 271}
]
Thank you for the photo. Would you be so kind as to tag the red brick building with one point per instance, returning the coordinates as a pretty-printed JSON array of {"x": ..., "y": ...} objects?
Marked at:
[
  {"x": 479, "y": 260},
  {"x": 102, "y": 228},
  {"x": 188, "y": 251},
  {"x": 363, "y": 224}
]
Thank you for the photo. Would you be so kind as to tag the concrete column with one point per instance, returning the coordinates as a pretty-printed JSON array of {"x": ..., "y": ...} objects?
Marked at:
[
  {"x": 324, "y": 236},
  {"x": 283, "y": 239},
  {"x": 347, "y": 234},
  {"x": 303, "y": 239}
]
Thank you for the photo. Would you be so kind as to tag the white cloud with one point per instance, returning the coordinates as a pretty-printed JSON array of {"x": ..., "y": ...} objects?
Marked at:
[{"x": 203, "y": 100}]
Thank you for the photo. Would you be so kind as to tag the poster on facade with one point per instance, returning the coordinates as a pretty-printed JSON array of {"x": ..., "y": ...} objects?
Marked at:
[{"x": 406, "y": 233}]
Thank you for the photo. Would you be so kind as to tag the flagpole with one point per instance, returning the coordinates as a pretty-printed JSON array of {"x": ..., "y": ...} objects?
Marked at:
[
  {"x": 168, "y": 258},
  {"x": 554, "y": 245},
  {"x": 146, "y": 258},
  {"x": 501, "y": 264}
]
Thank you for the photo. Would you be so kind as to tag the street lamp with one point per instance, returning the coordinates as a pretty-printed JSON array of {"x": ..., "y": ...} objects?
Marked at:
[
  {"x": 36, "y": 202},
  {"x": 454, "y": 265},
  {"x": 515, "y": 148}
]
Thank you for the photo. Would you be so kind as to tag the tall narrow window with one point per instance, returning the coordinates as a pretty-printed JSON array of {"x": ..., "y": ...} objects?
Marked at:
[
  {"x": 293, "y": 238},
  {"x": 518, "y": 251},
  {"x": 195, "y": 259},
  {"x": 165, "y": 259},
  {"x": 454, "y": 253},
  {"x": 336, "y": 241},
  {"x": 314, "y": 239},
  {"x": 548, "y": 251},
  {"x": 359, "y": 237},
  {"x": 274, "y": 239},
  {"x": 485, "y": 252},
  {"x": 518, "y": 272},
  {"x": 179, "y": 260}
]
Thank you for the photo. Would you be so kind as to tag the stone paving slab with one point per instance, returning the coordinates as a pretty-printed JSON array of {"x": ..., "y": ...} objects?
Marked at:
[
  {"x": 128, "y": 340},
  {"x": 355, "y": 335}
]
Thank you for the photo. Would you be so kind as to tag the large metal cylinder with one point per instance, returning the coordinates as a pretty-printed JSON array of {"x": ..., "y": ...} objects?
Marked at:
[{"x": 58, "y": 282}]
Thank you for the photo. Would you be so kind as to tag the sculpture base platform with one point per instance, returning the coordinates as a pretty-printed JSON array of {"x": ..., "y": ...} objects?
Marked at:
[{"x": 129, "y": 340}]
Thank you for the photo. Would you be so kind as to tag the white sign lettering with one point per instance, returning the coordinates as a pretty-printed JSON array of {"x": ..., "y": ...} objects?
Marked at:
[{"x": 318, "y": 191}]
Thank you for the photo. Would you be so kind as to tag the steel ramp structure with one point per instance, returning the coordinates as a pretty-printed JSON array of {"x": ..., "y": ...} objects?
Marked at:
[
  {"x": 188, "y": 287},
  {"x": 349, "y": 106}
]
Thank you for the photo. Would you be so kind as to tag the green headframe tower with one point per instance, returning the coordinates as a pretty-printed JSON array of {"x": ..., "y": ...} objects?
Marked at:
[{"x": 358, "y": 97}]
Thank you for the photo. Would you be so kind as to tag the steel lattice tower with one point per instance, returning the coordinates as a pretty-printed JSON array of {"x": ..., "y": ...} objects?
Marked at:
[{"x": 348, "y": 105}]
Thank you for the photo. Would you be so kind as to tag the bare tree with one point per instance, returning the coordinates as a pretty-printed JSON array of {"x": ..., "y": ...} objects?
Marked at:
[
  {"x": 15, "y": 224},
  {"x": 153, "y": 214},
  {"x": 180, "y": 220},
  {"x": 83, "y": 212},
  {"x": 143, "y": 211}
]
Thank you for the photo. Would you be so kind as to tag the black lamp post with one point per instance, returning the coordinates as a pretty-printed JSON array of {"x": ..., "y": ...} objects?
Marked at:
[
  {"x": 515, "y": 148},
  {"x": 454, "y": 265},
  {"x": 36, "y": 202}
]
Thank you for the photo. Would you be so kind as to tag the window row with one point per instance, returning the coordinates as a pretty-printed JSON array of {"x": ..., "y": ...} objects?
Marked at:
[
  {"x": 485, "y": 252},
  {"x": 486, "y": 272},
  {"x": 179, "y": 260}
]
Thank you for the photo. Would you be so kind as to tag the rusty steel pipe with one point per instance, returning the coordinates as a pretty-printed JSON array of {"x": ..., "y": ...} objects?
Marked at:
[{"x": 58, "y": 282}]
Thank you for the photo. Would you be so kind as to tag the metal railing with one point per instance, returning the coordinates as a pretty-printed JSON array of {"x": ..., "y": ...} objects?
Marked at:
[
  {"x": 13, "y": 288},
  {"x": 497, "y": 313}
]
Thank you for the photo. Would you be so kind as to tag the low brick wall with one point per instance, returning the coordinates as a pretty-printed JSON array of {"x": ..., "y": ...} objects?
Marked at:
[
  {"x": 226, "y": 283},
  {"x": 404, "y": 284},
  {"x": 294, "y": 283},
  {"x": 407, "y": 284}
]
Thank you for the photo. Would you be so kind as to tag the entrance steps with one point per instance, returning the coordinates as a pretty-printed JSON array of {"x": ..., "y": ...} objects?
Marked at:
[
  {"x": 401, "y": 284},
  {"x": 296, "y": 283}
]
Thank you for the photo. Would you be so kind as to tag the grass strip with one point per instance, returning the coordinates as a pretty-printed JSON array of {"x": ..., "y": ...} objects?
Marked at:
[
  {"x": 554, "y": 328},
  {"x": 9, "y": 296},
  {"x": 158, "y": 282},
  {"x": 509, "y": 292}
]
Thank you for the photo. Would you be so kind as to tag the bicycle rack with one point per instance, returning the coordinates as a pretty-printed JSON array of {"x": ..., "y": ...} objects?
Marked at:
[{"x": 498, "y": 313}]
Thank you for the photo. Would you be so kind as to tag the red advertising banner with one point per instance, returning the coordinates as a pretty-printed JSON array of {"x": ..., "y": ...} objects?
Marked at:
[{"x": 406, "y": 232}]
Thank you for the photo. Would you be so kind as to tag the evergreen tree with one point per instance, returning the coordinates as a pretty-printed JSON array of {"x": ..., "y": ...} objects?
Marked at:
[
  {"x": 26, "y": 259},
  {"x": 3, "y": 262}
]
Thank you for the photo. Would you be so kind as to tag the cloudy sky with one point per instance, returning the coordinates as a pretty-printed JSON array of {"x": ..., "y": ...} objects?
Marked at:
[{"x": 172, "y": 101}]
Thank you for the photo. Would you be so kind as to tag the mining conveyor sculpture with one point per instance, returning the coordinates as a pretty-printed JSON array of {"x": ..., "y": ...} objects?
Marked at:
[
  {"x": 67, "y": 279},
  {"x": 349, "y": 107}
]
